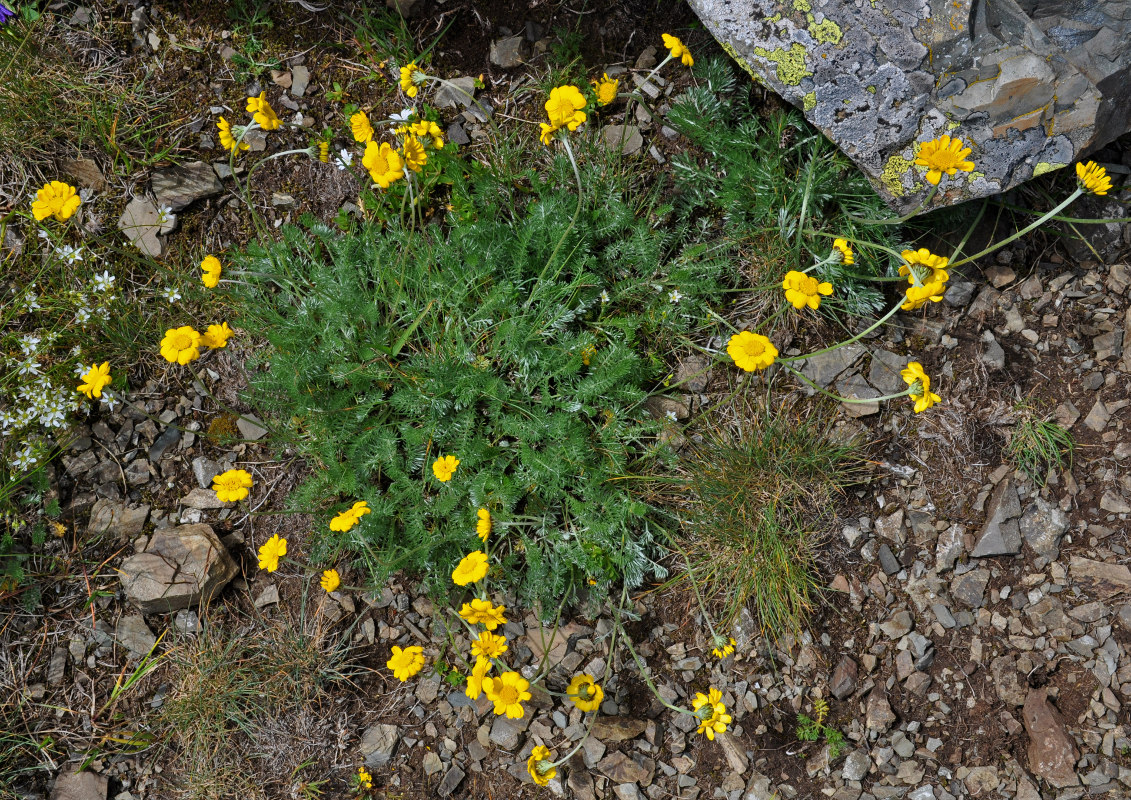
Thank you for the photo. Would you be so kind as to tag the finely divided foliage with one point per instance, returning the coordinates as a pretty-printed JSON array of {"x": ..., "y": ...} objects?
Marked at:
[{"x": 391, "y": 347}]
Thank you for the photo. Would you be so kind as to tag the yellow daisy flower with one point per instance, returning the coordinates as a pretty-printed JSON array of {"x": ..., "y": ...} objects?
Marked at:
[
  {"x": 585, "y": 693},
  {"x": 471, "y": 569},
  {"x": 383, "y": 163},
  {"x": 181, "y": 345},
  {"x": 802, "y": 290},
  {"x": 233, "y": 485},
  {"x": 751, "y": 351},
  {"x": 271, "y": 551},
  {"x": 95, "y": 380},
  {"x": 943, "y": 155},
  {"x": 920, "y": 384},
  {"x": 406, "y": 663}
]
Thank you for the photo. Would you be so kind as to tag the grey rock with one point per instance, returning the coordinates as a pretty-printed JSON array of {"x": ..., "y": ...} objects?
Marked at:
[
  {"x": 618, "y": 729},
  {"x": 180, "y": 186},
  {"x": 169, "y": 437},
  {"x": 898, "y": 626},
  {"x": 1042, "y": 527},
  {"x": 878, "y": 715},
  {"x": 626, "y": 791},
  {"x": 510, "y": 52},
  {"x": 626, "y": 138},
  {"x": 1052, "y": 750},
  {"x": 507, "y": 733},
  {"x": 903, "y": 746},
  {"x": 993, "y": 356},
  {"x": 268, "y": 597},
  {"x": 179, "y": 568},
  {"x": 187, "y": 622},
  {"x": 982, "y": 781},
  {"x": 843, "y": 682},
  {"x": 203, "y": 499},
  {"x": 888, "y": 561},
  {"x": 378, "y": 744},
  {"x": 139, "y": 222},
  {"x": 448, "y": 97},
  {"x": 80, "y": 786},
  {"x": 884, "y": 373},
  {"x": 57, "y": 666},
  {"x": 432, "y": 763},
  {"x": 451, "y": 781},
  {"x": 579, "y": 781},
  {"x": 970, "y": 588},
  {"x": 943, "y": 615},
  {"x": 1031, "y": 86},
  {"x": 117, "y": 519},
  {"x": 1113, "y": 502},
  {"x": 300, "y": 78},
  {"x": 949, "y": 547},
  {"x": 1007, "y": 681},
  {"x": 733, "y": 752},
  {"x": 137, "y": 473},
  {"x": 134, "y": 635},
  {"x": 250, "y": 427},
  {"x": 856, "y": 765},
  {"x": 1000, "y": 535},
  {"x": 1107, "y": 577},
  {"x": 457, "y": 135},
  {"x": 854, "y": 387},
  {"x": 619, "y": 768},
  {"x": 958, "y": 293},
  {"x": 1098, "y": 417},
  {"x": 824, "y": 368},
  {"x": 204, "y": 470}
]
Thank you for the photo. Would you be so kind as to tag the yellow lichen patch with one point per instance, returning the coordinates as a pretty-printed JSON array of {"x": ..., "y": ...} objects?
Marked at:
[
  {"x": 810, "y": 101},
  {"x": 802, "y": 5},
  {"x": 1043, "y": 167},
  {"x": 952, "y": 125},
  {"x": 973, "y": 176},
  {"x": 827, "y": 32},
  {"x": 775, "y": 18},
  {"x": 790, "y": 63},
  {"x": 870, "y": 89},
  {"x": 742, "y": 62},
  {"x": 892, "y": 176}
]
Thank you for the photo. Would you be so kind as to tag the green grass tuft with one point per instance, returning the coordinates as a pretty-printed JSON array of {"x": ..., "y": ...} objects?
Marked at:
[{"x": 1036, "y": 446}]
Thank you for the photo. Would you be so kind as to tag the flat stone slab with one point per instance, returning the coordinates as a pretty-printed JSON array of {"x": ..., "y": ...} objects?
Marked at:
[{"x": 1030, "y": 85}]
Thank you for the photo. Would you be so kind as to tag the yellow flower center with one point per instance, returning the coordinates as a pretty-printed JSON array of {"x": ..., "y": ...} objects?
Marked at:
[
  {"x": 182, "y": 341},
  {"x": 808, "y": 285},
  {"x": 507, "y": 694}
]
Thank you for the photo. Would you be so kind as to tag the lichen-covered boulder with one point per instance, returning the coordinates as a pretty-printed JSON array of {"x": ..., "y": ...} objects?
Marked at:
[{"x": 1030, "y": 85}]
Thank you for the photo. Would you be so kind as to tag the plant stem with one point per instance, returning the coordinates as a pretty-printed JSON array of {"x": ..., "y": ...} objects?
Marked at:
[
  {"x": 998, "y": 245},
  {"x": 855, "y": 338},
  {"x": 847, "y": 399}
]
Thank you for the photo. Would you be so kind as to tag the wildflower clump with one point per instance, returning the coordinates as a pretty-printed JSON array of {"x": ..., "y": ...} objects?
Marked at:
[
  {"x": 920, "y": 384},
  {"x": 926, "y": 272},
  {"x": 605, "y": 89},
  {"x": 229, "y": 140},
  {"x": 181, "y": 345},
  {"x": 95, "y": 379},
  {"x": 539, "y": 766},
  {"x": 564, "y": 108},
  {"x": 331, "y": 580},
  {"x": 1093, "y": 178},
  {"x": 801, "y": 290},
  {"x": 210, "y": 270},
  {"x": 751, "y": 351},
  {"x": 678, "y": 49},
  {"x": 347, "y": 519},
  {"x": 406, "y": 663},
  {"x": 711, "y": 713},
  {"x": 383, "y": 163},
  {"x": 56, "y": 199},
  {"x": 471, "y": 569},
  {"x": 232, "y": 486},
  {"x": 262, "y": 112},
  {"x": 943, "y": 154},
  {"x": 444, "y": 468},
  {"x": 271, "y": 551}
]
